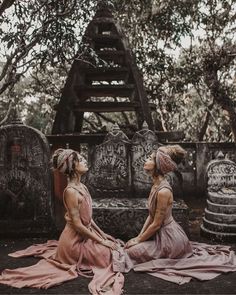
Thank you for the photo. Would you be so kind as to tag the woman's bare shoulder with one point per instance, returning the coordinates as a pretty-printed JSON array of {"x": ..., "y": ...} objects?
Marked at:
[
  {"x": 72, "y": 195},
  {"x": 164, "y": 194}
]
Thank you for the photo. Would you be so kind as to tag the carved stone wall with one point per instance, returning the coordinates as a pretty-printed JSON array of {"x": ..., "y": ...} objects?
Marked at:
[
  {"x": 220, "y": 215},
  {"x": 25, "y": 181},
  {"x": 116, "y": 166}
]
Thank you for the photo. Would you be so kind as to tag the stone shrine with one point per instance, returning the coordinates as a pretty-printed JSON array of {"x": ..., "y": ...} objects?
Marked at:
[
  {"x": 25, "y": 181},
  {"x": 219, "y": 222}
]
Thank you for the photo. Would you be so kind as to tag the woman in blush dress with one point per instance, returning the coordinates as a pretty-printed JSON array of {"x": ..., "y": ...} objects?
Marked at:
[
  {"x": 83, "y": 248},
  {"x": 162, "y": 248}
]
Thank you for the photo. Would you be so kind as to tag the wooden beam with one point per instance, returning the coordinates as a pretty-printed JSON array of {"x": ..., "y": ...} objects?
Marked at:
[
  {"x": 117, "y": 106},
  {"x": 104, "y": 90},
  {"x": 105, "y": 107},
  {"x": 106, "y": 74},
  {"x": 117, "y": 56}
]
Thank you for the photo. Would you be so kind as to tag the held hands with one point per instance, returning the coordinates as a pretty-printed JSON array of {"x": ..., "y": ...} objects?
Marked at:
[
  {"x": 108, "y": 237},
  {"x": 132, "y": 242},
  {"x": 110, "y": 244}
]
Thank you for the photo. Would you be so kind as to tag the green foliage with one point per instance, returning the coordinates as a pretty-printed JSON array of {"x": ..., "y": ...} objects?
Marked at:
[{"x": 179, "y": 46}]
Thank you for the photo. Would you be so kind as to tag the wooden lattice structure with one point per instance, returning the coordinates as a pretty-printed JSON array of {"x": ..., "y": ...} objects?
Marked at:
[{"x": 115, "y": 87}]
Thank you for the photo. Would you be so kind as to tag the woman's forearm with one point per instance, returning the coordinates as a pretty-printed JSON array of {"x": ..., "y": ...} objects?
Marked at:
[
  {"x": 96, "y": 227},
  {"x": 149, "y": 232},
  {"x": 85, "y": 232},
  {"x": 146, "y": 224}
]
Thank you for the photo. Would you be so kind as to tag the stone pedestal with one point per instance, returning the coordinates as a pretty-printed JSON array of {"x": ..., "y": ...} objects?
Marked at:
[{"x": 219, "y": 222}]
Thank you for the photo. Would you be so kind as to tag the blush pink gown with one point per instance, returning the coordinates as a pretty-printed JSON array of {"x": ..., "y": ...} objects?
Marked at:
[
  {"x": 170, "y": 255},
  {"x": 67, "y": 259}
]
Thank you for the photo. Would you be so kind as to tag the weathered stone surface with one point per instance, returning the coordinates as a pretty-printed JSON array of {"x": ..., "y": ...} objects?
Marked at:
[
  {"x": 220, "y": 237},
  {"x": 220, "y": 208},
  {"x": 125, "y": 218},
  {"x": 219, "y": 227},
  {"x": 109, "y": 174},
  {"x": 220, "y": 215},
  {"x": 25, "y": 181},
  {"x": 144, "y": 142},
  {"x": 222, "y": 198}
]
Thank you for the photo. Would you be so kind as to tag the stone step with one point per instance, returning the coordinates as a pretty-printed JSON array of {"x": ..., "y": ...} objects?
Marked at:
[
  {"x": 218, "y": 198},
  {"x": 217, "y": 236},
  {"x": 221, "y": 208},
  {"x": 220, "y": 217},
  {"x": 219, "y": 227}
]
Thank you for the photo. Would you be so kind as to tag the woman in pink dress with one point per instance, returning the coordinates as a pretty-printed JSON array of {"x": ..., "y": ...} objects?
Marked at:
[
  {"x": 162, "y": 248},
  {"x": 83, "y": 248}
]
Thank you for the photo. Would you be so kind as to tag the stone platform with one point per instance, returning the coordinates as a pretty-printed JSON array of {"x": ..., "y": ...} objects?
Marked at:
[{"x": 124, "y": 218}]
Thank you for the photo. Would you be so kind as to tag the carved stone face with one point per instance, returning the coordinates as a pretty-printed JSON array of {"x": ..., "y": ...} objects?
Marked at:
[
  {"x": 149, "y": 164},
  {"x": 81, "y": 165}
]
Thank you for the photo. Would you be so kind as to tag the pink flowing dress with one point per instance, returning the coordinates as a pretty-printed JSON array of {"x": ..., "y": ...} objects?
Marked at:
[
  {"x": 170, "y": 255},
  {"x": 68, "y": 258}
]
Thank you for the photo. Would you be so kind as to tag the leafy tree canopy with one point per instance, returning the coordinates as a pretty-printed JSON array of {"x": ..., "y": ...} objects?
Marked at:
[{"x": 185, "y": 50}]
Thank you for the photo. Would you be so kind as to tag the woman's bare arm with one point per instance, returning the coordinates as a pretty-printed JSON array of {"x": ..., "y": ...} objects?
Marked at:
[
  {"x": 162, "y": 203},
  {"x": 146, "y": 224},
  {"x": 73, "y": 201}
]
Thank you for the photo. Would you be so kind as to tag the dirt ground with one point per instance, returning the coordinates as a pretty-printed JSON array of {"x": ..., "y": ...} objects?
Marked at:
[{"x": 135, "y": 283}]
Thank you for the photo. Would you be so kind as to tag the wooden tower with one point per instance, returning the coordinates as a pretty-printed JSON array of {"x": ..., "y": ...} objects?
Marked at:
[{"x": 117, "y": 86}]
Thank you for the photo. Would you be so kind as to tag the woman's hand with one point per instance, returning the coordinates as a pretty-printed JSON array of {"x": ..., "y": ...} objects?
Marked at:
[
  {"x": 107, "y": 237},
  {"x": 132, "y": 242},
  {"x": 109, "y": 244}
]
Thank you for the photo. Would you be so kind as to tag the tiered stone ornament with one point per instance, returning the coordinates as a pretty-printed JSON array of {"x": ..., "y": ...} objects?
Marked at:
[
  {"x": 219, "y": 222},
  {"x": 25, "y": 181}
]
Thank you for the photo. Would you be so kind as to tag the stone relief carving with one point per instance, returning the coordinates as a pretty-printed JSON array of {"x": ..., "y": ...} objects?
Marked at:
[
  {"x": 144, "y": 142},
  {"x": 221, "y": 175},
  {"x": 109, "y": 173}
]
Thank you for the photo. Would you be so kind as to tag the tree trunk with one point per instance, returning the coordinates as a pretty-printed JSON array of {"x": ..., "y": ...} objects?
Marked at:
[
  {"x": 221, "y": 96},
  {"x": 202, "y": 132}
]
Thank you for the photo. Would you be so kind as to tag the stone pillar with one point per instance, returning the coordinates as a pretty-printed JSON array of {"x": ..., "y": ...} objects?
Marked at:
[
  {"x": 219, "y": 222},
  {"x": 25, "y": 181}
]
